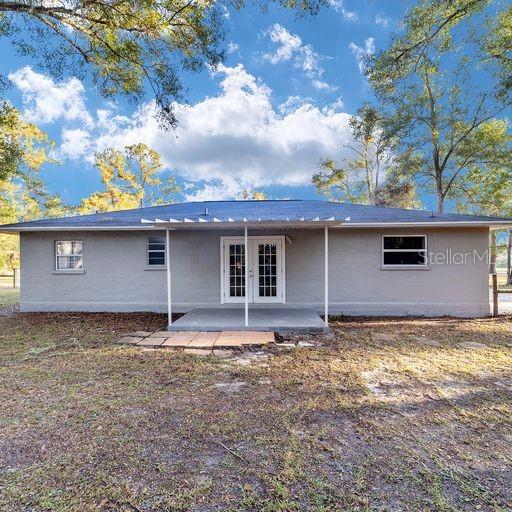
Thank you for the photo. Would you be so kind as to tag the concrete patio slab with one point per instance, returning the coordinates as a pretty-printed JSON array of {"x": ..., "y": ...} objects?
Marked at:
[
  {"x": 132, "y": 340},
  {"x": 179, "y": 339},
  {"x": 160, "y": 334},
  {"x": 229, "y": 339},
  {"x": 239, "y": 338},
  {"x": 260, "y": 319},
  {"x": 151, "y": 341},
  {"x": 203, "y": 340},
  {"x": 141, "y": 334},
  {"x": 258, "y": 338}
]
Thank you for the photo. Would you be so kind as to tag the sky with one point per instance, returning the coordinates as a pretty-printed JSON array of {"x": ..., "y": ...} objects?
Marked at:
[{"x": 263, "y": 120}]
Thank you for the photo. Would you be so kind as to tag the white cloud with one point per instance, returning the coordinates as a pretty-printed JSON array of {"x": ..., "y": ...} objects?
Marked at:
[
  {"x": 289, "y": 48},
  {"x": 233, "y": 140},
  {"x": 293, "y": 103},
  {"x": 288, "y": 43},
  {"x": 319, "y": 84},
  {"x": 361, "y": 53},
  {"x": 383, "y": 21},
  {"x": 46, "y": 101},
  {"x": 335, "y": 106},
  {"x": 236, "y": 139},
  {"x": 76, "y": 143},
  {"x": 216, "y": 190},
  {"x": 233, "y": 47},
  {"x": 347, "y": 15}
]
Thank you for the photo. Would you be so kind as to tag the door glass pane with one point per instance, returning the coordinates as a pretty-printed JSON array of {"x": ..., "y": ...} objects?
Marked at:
[
  {"x": 267, "y": 270},
  {"x": 236, "y": 270}
]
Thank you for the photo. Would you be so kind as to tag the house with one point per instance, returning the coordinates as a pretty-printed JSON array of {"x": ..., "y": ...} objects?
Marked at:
[{"x": 303, "y": 257}]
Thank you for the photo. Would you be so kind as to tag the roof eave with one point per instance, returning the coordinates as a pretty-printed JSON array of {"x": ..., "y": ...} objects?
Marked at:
[{"x": 494, "y": 224}]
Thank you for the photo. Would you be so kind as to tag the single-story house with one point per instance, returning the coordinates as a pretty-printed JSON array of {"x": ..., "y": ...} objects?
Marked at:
[{"x": 302, "y": 256}]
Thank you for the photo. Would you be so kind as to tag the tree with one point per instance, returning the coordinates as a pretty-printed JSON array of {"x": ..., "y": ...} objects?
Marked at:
[
  {"x": 498, "y": 44},
  {"x": 19, "y": 203},
  {"x": 489, "y": 192},
  {"x": 24, "y": 148},
  {"x": 374, "y": 176},
  {"x": 131, "y": 179},
  {"x": 444, "y": 114},
  {"x": 125, "y": 44},
  {"x": 251, "y": 194},
  {"x": 445, "y": 16}
]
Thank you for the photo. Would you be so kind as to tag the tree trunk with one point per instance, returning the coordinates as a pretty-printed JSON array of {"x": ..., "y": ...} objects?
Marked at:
[
  {"x": 440, "y": 203},
  {"x": 509, "y": 258},
  {"x": 440, "y": 194}
]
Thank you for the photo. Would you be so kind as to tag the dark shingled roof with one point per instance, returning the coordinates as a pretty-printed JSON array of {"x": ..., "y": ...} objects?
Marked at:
[{"x": 282, "y": 211}]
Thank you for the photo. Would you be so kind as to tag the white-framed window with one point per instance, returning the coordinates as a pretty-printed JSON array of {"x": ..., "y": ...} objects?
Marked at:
[
  {"x": 69, "y": 255},
  {"x": 404, "y": 251},
  {"x": 156, "y": 251}
]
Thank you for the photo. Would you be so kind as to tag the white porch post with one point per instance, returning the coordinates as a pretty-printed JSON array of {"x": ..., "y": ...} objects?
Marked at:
[
  {"x": 246, "y": 277},
  {"x": 326, "y": 278},
  {"x": 168, "y": 273}
]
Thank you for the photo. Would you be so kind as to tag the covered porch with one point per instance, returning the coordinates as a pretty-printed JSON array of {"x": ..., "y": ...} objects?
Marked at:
[
  {"x": 275, "y": 319},
  {"x": 253, "y": 274}
]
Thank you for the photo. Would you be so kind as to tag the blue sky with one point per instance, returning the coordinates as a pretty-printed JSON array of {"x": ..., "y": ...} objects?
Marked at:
[{"x": 279, "y": 103}]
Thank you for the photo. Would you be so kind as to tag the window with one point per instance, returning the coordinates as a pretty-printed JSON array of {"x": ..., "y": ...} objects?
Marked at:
[
  {"x": 156, "y": 251},
  {"x": 236, "y": 270},
  {"x": 69, "y": 255},
  {"x": 404, "y": 251}
]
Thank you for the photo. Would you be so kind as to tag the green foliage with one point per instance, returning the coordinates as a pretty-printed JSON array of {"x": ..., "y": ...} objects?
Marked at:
[
  {"x": 24, "y": 148},
  {"x": 444, "y": 113},
  {"x": 427, "y": 25},
  {"x": 374, "y": 175},
  {"x": 131, "y": 179},
  {"x": 499, "y": 47},
  {"x": 126, "y": 44},
  {"x": 251, "y": 194},
  {"x": 487, "y": 191}
]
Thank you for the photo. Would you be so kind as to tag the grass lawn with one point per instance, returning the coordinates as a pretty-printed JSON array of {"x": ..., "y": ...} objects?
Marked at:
[
  {"x": 379, "y": 415},
  {"x": 9, "y": 297}
]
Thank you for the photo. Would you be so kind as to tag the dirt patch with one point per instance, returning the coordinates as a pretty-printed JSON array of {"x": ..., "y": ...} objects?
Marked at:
[
  {"x": 381, "y": 414},
  {"x": 473, "y": 345}
]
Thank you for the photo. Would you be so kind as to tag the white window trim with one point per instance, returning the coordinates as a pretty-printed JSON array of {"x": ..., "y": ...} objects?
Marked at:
[
  {"x": 155, "y": 267},
  {"x": 57, "y": 270},
  {"x": 384, "y": 266}
]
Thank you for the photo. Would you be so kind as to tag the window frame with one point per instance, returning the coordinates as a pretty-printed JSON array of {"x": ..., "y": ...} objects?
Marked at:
[
  {"x": 56, "y": 258},
  {"x": 399, "y": 266},
  {"x": 148, "y": 251}
]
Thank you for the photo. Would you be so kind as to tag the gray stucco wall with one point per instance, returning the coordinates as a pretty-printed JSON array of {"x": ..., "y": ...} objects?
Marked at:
[{"x": 116, "y": 277}]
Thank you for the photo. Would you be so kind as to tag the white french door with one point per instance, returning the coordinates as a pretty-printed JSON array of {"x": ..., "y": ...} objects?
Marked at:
[{"x": 265, "y": 263}]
